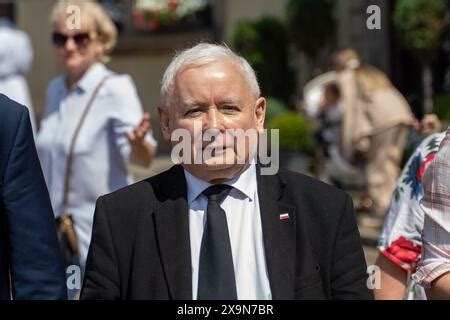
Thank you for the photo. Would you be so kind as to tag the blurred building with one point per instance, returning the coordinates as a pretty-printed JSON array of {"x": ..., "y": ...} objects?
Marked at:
[{"x": 373, "y": 45}]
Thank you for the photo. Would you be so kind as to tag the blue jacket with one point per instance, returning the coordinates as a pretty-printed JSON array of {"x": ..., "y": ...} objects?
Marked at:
[{"x": 31, "y": 265}]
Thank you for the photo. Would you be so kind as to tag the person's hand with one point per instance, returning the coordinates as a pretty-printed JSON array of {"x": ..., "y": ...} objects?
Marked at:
[
  {"x": 430, "y": 124},
  {"x": 137, "y": 136},
  {"x": 141, "y": 150},
  {"x": 416, "y": 124}
]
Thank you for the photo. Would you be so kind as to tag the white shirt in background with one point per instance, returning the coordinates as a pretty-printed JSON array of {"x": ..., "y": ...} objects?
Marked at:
[
  {"x": 16, "y": 57},
  {"x": 102, "y": 150}
]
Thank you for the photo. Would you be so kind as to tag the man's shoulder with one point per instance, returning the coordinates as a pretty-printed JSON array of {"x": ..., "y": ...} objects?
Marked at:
[
  {"x": 318, "y": 200},
  {"x": 11, "y": 117},
  {"x": 298, "y": 182},
  {"x": 10, "y": 111},
  {"x": 149, "y": 189},
  {"x": 318, "y": 205}
]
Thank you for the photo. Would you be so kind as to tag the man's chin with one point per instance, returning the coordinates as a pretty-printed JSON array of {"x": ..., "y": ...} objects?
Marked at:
[
  {"x": 218, "y": 173},
  {"x": 215, "y": 172},
  {"x": 218, "y": 164}
]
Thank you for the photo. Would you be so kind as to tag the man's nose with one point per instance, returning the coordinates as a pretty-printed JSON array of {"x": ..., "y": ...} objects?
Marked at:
[{"x": 213, "y": 119}]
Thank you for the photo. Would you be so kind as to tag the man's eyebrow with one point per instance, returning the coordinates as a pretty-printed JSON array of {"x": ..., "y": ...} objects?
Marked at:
[
  {"x": 196, "y": 104},
  {"x": 192, "y": 104},
  {"x": 229, "y": 101}
]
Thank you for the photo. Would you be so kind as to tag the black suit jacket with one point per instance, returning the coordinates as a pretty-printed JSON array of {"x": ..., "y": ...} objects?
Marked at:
[
  {"x": 140, "y": 245},
  {"x": 31, "y": 266}
]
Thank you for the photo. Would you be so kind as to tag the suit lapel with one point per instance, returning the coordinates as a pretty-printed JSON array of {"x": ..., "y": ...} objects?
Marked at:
[
  {"x": 279, "y": 236},
  {"x": 172, "y": 231}
]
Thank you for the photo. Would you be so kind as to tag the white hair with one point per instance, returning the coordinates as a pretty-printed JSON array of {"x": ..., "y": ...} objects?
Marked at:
[{"x": 200, "y": 55}]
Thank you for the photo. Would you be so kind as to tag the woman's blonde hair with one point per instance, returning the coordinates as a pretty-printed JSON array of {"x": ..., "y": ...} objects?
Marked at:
[{"x": 93, "y": 18}]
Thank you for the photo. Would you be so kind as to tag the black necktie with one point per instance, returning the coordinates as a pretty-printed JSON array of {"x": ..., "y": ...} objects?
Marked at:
[{"x": 216, "y": 272}]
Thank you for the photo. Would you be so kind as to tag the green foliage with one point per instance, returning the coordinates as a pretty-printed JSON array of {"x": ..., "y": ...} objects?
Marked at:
[
  {"x": 295, "y": 133},
  {"x": 274, "y": 108},
  {"x": 420, "y": 22},
  {"x": 264, "y": 43},
  {"x": 441, "y": 107},
  {"x": 311, "y": 23}
]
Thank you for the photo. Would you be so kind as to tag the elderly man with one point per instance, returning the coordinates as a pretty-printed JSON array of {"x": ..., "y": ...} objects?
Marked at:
[{"x": 219, "y": 228}]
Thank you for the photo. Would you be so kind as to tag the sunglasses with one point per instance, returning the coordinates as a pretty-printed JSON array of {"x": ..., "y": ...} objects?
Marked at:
[{"x": 80, "y": 39}]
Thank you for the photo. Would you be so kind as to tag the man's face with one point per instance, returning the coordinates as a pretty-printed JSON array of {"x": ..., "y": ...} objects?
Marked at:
[{"x": 215, "y": 97}]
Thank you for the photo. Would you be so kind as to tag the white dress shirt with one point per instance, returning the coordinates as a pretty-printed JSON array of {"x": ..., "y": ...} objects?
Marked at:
[
  {"x": 101, "y": 151},
  {"x": 244, "y": 225}
]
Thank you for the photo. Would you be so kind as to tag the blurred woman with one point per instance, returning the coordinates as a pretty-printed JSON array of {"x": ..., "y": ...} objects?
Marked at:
[
  {"x": 376, "y": 121},
  {"x": 93, "y": 125},
  {"x": 16, "y": 57}
]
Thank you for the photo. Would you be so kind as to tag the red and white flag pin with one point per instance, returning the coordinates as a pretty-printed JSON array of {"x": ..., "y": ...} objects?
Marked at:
[{"x": 284, "y": 216}]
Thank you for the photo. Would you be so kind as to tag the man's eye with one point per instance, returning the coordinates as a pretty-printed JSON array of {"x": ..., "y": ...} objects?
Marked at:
[
  {"x": 230, "y": 108},
  {"x": 193, "y": 113}
]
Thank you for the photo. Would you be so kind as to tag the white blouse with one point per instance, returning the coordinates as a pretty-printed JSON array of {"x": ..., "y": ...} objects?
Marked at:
[
  {"x": 16, "y": 57},
  {"x": 101, "y": 151}
]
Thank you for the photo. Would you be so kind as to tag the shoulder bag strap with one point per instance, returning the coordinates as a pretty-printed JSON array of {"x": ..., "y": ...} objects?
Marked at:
[{"x": 72, "y": 143}]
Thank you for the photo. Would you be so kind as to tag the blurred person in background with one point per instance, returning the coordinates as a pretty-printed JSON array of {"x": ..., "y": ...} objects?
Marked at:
[
  {"x": 376, "y": 121},
  {"x": 429, "y": 124},
  {"x": 433, "y": 271},
  {"x": 328, "y": 131},
  {"x": 16, "y": 57},
  {"x": 92, "y": 128},
  {"x": 400, "y": 241},
  {"x": 31, "y": 265}
]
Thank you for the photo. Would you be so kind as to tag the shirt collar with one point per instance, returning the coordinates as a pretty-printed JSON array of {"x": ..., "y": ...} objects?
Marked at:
[
  {"x": 92, "y": 77},
  {"x": 245, "y": 183}
]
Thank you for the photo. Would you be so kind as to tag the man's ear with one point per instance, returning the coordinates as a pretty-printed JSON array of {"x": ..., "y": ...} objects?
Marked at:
[
  {"x": 164, "y": 122},
  {"x": 260, "y": 113}
]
